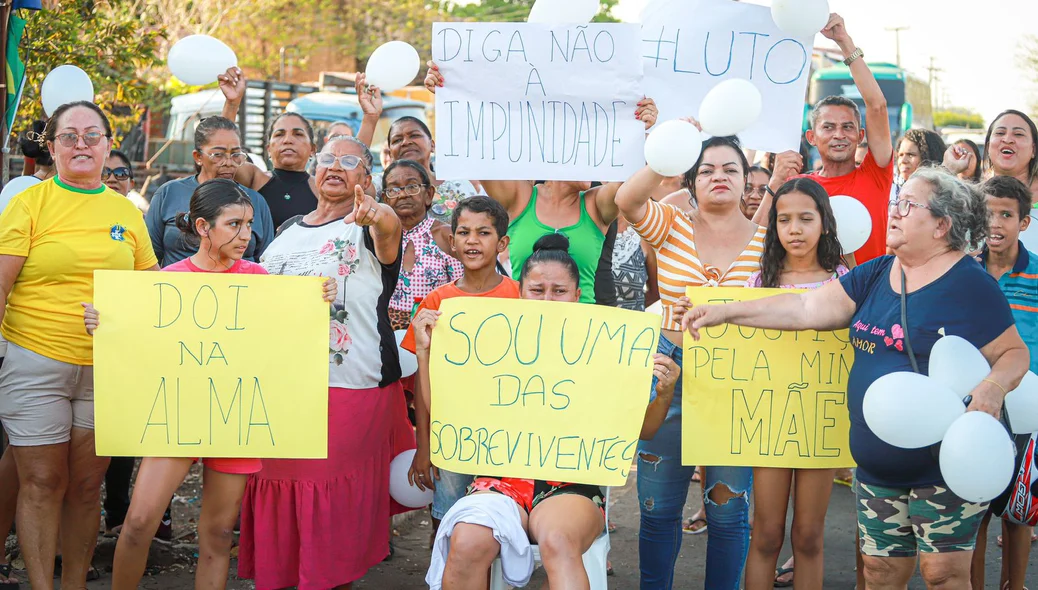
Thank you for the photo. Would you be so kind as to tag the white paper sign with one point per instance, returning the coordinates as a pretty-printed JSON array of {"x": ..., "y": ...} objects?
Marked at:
[
  {"x": 688, "y": 47},
  {"x": 525, "y": 101}
]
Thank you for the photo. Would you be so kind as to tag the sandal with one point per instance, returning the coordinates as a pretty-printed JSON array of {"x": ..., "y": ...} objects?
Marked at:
[
  {"x": 9, "y": 583},
  {"x": 783, "y": 571},
  {"x": 691, "y": 529},
  {"x": 92, "y": 573},
  {"x": 696, "y": 476}
]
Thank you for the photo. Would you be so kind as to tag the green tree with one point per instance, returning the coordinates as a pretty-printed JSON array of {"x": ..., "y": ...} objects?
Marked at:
[
  {"x": 510, "y": 10},
  {"x": 109, "y": 42},
  {"x": 958, "y": 118}
]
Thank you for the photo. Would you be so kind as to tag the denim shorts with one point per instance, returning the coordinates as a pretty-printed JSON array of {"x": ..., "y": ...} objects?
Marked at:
[{"x": 450, "y": 488}]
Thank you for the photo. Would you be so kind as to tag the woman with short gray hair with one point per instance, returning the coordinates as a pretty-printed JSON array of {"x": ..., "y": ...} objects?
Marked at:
[{"x": 897, "y": 307}]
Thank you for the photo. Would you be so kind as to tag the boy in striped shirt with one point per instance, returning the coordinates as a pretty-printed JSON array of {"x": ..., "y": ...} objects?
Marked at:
[{"x": 1016, "y": 270}]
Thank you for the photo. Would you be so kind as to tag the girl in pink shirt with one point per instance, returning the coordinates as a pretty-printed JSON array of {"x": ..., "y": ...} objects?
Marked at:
[{"x": 220, "y": 222}]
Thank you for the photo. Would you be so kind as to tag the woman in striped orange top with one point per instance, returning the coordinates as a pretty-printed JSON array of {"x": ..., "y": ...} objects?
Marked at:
[{"x": 713, "y": 245}]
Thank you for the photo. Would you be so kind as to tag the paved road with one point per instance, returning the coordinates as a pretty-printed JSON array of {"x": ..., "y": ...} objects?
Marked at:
[{"x": 406, "y": 571}]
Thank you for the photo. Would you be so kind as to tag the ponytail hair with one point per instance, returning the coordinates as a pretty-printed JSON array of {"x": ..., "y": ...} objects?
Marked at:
[
  {"x": 208, "y": 202},
  {"x": 551, "y": 248}
]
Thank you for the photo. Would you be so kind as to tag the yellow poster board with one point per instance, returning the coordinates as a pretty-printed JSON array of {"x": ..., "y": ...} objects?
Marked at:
[
  {"x": 764, "y": 398},
  {"x": 210, "y": 365},
  {"x": 539, "y": 390}
]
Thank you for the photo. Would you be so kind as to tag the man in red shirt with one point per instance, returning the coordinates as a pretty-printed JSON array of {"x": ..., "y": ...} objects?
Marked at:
[{"x": 836, "y": 132}]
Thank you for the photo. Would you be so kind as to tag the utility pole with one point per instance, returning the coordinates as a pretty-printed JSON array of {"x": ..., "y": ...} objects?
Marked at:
[
  {"x": 897, "y": 41},
  {"x": 933, "y": 80}
]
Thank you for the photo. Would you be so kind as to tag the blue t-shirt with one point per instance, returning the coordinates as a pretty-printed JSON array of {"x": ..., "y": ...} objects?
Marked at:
[
  {"x": 174, "y": 197},
  {"x": 965, "y": 302}
]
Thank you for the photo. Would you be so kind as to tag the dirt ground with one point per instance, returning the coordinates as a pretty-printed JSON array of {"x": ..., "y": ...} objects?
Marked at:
[{"x": 172, "y": 566}]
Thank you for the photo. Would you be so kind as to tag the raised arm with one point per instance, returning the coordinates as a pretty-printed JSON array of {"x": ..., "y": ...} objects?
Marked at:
[
  {"x": 825, "y": 308},
  {"x": 787, "y": 165},
  {"x": 233, "y": 85},
  {"x": 370, "y": 99},
  {"x": 384, "y": 224},
  {"x": 877, "y": 121},
  {"x": 633, "y": 196},
  {"x": 513, "y": 195}
]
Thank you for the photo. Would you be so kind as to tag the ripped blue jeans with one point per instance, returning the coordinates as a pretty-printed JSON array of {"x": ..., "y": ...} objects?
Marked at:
[{"x": 662, "y": 489}]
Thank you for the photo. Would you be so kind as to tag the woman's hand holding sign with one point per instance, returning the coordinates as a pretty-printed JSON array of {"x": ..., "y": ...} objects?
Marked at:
[
  {"x": 702, "y": 316},
  {"x": 331, "y": 290},
  {"x": 90, "y": 318}
]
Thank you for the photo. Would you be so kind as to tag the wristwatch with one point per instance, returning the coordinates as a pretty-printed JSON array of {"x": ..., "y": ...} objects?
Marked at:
[{"x": 858, "y": 53}]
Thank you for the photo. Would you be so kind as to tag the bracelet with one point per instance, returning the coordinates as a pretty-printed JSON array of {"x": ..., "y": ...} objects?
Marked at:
[
  {"x": 996, "y": 384},
  {"x": 857, "y": 54},
  {"x": 769, "y": 191}
]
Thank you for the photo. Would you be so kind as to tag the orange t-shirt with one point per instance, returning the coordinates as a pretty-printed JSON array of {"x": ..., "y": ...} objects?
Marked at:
[
  {"x": 870, "y": 185},
  {"x": 508, "y": 289}
]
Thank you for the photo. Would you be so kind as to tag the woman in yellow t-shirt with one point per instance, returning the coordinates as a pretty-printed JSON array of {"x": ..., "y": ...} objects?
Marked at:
[{"x": 53, "y": 236}]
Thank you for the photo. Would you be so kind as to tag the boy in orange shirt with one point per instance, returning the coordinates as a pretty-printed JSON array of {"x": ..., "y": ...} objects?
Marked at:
[{"x": 478, "y": 235}]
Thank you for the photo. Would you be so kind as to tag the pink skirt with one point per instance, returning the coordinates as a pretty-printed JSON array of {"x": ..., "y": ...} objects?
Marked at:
[
  {"x": 401, "y": 437},
  {"x": 321, "y": 523}
]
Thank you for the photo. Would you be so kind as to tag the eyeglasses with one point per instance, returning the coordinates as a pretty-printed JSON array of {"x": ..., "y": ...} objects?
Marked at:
[
  {"x": 760, "y": 190},
  {"x": 904, "y": 206},
  {"x": 411, "y": 190},
  {"x": 120, "y": 173},
  {"x": 91, "y": 138},
  {"x": 237, "y": 158},
  {"x": 348, "y": 162}
]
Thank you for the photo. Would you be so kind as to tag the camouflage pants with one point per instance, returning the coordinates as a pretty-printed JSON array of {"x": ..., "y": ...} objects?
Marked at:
[{"x": 899, "y": 522}]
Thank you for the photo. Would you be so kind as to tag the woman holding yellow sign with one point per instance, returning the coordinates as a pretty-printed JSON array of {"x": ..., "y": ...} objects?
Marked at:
[
  {"x": 714, "y": 245},
  {"x": 321, "y": 523},
  {"x": 219, "y": 222},
  {"x": 897, "y": 307},
  {"x": 563, "y": 518},
  {"x": 801, "y": 251}
]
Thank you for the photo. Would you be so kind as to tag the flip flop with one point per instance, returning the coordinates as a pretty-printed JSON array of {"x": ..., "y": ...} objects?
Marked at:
[
  {"x": 690, "y": 527},
  {"x": 5, "y": 573},
  {"x": 782, "y": 571},
  {"x": 842, "y": 482}
]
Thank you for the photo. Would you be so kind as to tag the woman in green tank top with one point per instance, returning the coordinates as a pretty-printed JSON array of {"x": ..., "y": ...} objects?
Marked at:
[{"x": 574, "y": 209}]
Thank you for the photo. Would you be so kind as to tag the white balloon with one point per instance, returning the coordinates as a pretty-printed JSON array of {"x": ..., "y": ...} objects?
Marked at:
[
  {"x": 800, "y": 18},
  {"x": 65, "y": 84},
  {"x": 15, "y": 186},
  {"x": 400, "y": 489},
  {"x": 408, "y": 361},
  {"x": 198, "y": 59},
  {"x": 673, "y": 147},
  {"x": 853, "y": 222},
  {"x": 730, "y": 107},
  {"x": 392, "y": 66},
  {"x": 563, "y": 12},
  {"x": 910, "y": 410},
  {"x": 958, "y": 365},
  {"x": 1022, "y": 405},
  {"x": 977, "y": 457}
]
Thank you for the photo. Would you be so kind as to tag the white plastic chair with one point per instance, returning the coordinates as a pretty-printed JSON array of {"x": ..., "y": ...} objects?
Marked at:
[{"x": 595, "y": 560}]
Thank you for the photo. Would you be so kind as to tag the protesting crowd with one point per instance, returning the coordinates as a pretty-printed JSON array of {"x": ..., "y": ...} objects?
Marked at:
[{"x": 942, "y": 257}]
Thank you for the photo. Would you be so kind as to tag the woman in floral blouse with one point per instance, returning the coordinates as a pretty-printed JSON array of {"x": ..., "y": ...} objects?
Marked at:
[
  {"x": 321, "y": 523},
  {"x": 427, "y": 258}
]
